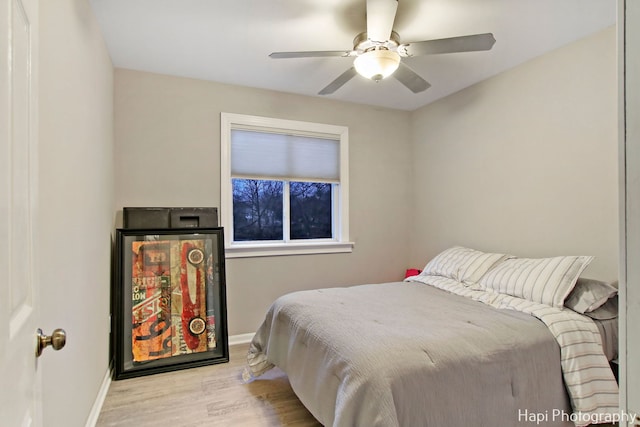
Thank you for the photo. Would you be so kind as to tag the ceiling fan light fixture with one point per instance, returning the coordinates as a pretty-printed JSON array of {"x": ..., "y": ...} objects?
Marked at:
[{"x": 376, "y": 64}]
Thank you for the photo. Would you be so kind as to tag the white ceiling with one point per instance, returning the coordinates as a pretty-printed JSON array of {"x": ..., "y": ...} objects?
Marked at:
[{"x": 229, "y": 41}]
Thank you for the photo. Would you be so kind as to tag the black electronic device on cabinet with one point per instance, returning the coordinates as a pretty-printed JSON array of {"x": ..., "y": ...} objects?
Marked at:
[{"x": 160, "y": 218}]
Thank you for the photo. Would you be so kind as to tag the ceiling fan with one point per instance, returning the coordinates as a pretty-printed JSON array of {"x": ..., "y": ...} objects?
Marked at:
[{"x": 378, "y": 51}]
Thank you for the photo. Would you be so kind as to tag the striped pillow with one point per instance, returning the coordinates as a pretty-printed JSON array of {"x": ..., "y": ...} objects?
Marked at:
[
  {"x": 544, "y": 280},
  {"x": 462, "y": 264}
]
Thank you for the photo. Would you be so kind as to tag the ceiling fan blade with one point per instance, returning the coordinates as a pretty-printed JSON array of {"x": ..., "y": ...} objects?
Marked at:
[
  {"x": 475, "y": 42},
  {"x": 380, "y": 17},
  {"x": 410, "y": 79},
  {"x": 312, "y": 54},
  {"x": 339, "y": 82}
]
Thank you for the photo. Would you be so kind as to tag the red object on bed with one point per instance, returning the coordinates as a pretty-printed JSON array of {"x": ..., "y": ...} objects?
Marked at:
[{"x": 411, "y": 272}]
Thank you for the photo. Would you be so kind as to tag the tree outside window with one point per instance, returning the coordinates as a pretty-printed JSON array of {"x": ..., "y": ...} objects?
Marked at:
[{"x": 258, "y": 210}]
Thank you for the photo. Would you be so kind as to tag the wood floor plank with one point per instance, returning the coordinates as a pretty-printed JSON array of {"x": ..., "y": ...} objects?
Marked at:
[{"x": 207, "y": 396}]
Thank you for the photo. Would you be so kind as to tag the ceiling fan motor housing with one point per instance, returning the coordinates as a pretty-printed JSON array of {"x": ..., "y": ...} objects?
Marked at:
[{"x": 361, "y": 43}]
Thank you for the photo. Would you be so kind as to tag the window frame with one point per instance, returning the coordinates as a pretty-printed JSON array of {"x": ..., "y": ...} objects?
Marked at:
[{"x": 340, "y": 212}]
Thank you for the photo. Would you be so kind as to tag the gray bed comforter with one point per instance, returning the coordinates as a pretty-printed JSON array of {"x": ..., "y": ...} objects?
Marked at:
[{"x": 407, "y": 354}]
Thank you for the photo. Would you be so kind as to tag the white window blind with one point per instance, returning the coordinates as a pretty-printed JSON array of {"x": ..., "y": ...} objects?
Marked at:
[{"x": 275, "y": 155}]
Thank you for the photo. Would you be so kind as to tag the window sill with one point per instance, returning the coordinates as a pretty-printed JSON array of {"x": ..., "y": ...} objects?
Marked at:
[{"x": 280, "y": 249}]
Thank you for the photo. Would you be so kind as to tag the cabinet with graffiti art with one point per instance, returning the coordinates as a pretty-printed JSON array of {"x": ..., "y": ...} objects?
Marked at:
[{"x": 168, "y": 301}]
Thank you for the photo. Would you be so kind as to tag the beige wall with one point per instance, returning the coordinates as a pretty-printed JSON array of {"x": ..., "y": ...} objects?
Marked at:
[
  {"x": 167, "y": 133},
  {"x": 75, "y": 206},
  {"x": 525, "y": 162}
]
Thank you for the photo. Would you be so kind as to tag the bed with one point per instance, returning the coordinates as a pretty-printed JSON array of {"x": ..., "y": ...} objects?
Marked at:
[{"x": 440, "y": 350}]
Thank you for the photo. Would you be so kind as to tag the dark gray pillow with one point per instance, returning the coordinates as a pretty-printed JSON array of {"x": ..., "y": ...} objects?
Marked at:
[
  {"x": 608, "y": 310},
  {"x": 589, "y": 294}
]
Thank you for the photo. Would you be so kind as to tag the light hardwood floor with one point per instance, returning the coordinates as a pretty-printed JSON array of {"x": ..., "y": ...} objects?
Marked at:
[{"x": 207, "y": 396}]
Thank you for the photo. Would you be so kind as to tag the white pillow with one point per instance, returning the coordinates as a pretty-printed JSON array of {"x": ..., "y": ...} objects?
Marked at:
[
  {"x": 462, "y": 264},
  {"x": 544, "y": 280},
  {"x": 588, "y": 295}
]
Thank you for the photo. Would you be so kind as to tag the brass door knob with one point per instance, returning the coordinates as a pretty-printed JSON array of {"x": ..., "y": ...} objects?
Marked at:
[{"x": 57, "y": 340}]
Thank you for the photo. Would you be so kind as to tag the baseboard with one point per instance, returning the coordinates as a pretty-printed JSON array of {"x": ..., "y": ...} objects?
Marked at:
[
  {"x": 97, "y": 405},
  {"x": 241, "y": 339}
]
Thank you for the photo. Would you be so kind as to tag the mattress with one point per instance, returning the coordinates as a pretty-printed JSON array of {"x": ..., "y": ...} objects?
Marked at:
[{"x": 609, "y": 334}]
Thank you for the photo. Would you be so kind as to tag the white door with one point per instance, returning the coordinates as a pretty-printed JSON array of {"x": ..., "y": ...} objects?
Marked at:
[{"x": 19, "y": 405}]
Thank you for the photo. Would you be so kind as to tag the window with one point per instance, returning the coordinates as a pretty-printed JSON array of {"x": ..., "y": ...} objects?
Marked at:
[{"x": 284, "y": 186}]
